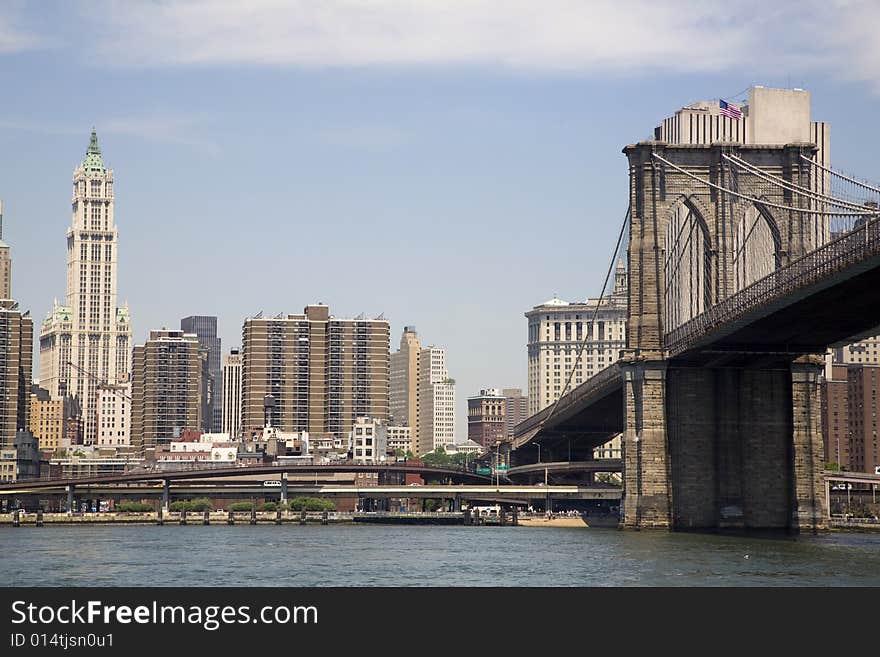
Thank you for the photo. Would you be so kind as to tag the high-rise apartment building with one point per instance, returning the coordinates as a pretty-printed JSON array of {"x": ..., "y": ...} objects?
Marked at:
[
  {"x": 321, "y": 371},
  {"x": 516, "y": 408},
  {"x": 849, "y": 416},
  {"x": 486, "y": 417},
  {"x": 557, "y": 329},
  {"x": 16, "y": 358},
  {"x": 165, "y": 387},
  {"x": 422, "y": 393},
  {"x": 232, "y": 394},
  {"x": 205, "y": 327},
  {"x": 86, "y": 341},
  {"x": 5, "y": 263}
]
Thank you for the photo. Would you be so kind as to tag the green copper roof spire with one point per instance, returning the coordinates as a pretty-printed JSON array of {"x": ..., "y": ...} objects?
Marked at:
[{"x": 94, "y": 161}]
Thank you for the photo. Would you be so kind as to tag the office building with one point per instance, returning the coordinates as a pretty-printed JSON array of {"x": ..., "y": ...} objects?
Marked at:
[
  {"x": 231, "y": 405},
  {"x": 560, "y": 330},
  {"x": 166, "y": 388},
  {"x": 86, "y": 341},
  {"x": 316, "y": 372},
  {"x": 516, "y": 408},
  {"x": 47, "y": 419},
  {"x": 422, "y": 393},
  {"x": 486, "y": 417},
  {"x": 205, "y": 327},
  {"x": 114, "y": 415},
  {"x": 436, "y": 402}
]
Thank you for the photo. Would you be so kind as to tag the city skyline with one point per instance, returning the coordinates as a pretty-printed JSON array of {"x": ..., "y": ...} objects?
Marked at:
[{"x": 321, "y": 154}]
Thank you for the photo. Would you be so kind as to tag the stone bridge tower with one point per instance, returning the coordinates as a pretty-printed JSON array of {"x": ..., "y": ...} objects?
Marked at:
[{"x": 723, "y": 442}]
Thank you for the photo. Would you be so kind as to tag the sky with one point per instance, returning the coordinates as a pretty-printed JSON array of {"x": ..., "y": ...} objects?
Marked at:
[{"x": 449, "y": 164}]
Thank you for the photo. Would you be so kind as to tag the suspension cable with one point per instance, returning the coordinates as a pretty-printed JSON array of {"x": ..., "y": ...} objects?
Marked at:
[
  {"x": 752, "y": 199},
  {"x": 797, "y": 189},
  {"x": 592, "y": 321},
  {"x": 840, "y": 175}
]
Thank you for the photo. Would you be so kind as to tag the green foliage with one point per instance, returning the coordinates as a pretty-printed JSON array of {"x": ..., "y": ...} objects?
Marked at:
[
  {"x": 240, "y": 506},
  {"x": 133, "y": 507},
  {"x": 832, "y": 466},
  {"x": 268, "y": 506},
  {"x": 198, "y": 504},
  {"x": 431, "y": 505},
  {"x": 311, "y": 504}
]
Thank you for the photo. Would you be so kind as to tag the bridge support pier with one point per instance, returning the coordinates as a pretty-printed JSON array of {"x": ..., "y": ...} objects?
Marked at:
[
  {"x": 646, "y": 501},
  {"x": 745, "y": 447},
  {"x": 284, "y": 488},
  {"x": 166, "y": 495},
  {"x": 456, "y": 504},
  {"x": 809, "y": 490},
  {"x": 70, "y": 489}
]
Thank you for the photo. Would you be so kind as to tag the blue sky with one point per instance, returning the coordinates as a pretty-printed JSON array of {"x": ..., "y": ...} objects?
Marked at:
[{"x": 429, "y": 161}]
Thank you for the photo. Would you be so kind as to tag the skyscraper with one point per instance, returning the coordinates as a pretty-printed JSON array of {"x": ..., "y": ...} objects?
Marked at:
[
  {"x": 436, "y": 402},
  {"x": 86, "y": 341},
  {"x": 232, "y": 394},
  {"x": 321, "y": 371},
  {"x": 205, "y": 327},
  {"x": 422, "y": 393},
  {"x": 516, "y": 408},
  {"x": 16, "y": 356}
]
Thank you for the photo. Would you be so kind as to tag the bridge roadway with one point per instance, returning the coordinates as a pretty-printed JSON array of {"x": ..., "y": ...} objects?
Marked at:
[
  {"x": 762, "y": 326},
  {"x": 204, "y": 473},
  {"x": 505, "y": 493},
  {"x": 563, "y": 468}
]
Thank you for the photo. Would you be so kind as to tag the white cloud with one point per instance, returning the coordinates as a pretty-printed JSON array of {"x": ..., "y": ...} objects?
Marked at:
[
  {"x": 166, "y": 128},
  {"x": 596, "y": 36}
]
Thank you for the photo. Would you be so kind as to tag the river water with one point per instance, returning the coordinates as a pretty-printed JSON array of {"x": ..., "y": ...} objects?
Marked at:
[{"x": 357, "y": 555}]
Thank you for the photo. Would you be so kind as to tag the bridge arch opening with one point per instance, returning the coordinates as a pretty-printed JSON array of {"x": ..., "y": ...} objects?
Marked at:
[
  {"x": 687, "y": 264},
  {"x": 756, "y": 246}
]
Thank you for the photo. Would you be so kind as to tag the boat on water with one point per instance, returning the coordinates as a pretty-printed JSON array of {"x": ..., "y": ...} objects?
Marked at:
[{"x": 563, "y": 520}]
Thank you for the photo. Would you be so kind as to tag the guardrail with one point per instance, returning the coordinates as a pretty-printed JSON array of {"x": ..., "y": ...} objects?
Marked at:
[{"x": 839, "y": 254}]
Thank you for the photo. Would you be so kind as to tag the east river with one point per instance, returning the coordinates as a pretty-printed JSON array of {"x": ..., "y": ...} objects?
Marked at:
[{"x": 356, "y": 555}]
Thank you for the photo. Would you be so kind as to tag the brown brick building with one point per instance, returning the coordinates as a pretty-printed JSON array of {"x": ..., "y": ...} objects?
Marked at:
[
  {"x": 321, "y": 371},
  {"x": 849, "y": 416},
  {"x": 486, "y": 413},
  {"x": 16, "y": 361},
  {"x": 166, "y": 388}
]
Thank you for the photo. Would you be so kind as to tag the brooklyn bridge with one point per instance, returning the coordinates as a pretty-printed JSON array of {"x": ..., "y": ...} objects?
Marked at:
[{"x": 746, "y": 263}]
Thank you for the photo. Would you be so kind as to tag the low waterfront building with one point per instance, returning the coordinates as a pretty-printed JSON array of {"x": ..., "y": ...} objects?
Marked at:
[
  {"x": 400, "y": 437},
  {"x": 369, "y": 439}
]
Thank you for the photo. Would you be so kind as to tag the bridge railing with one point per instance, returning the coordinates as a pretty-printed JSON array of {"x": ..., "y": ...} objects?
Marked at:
[
  {"x": 837, "y": 255},
  {"x": 591, "y": 386}
]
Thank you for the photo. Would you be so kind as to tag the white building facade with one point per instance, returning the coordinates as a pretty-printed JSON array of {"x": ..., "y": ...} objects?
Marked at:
[
  {"x": 87, "y": 340},
  {"x": 113, "y": 425},
  {"x": 557, "y": 330},
  {"x": 232, "y": 394},
  {"x": 436, "y": 401}
]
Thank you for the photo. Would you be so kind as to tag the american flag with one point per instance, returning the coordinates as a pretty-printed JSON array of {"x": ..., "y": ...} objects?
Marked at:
[{"x": 729, "y": 110}]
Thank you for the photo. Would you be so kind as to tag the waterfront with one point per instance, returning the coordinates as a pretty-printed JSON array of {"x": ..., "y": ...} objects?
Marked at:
[{"x": 351, "y": 555}]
